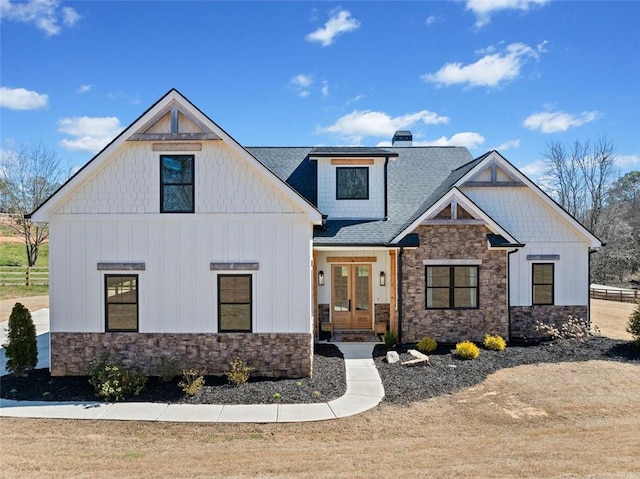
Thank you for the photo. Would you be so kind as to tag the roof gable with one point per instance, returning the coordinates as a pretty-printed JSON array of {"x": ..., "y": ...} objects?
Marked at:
[{"x": 161, "y": 122}]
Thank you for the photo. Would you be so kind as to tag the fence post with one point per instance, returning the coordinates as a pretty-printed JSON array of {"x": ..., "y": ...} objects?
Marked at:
[{"x": 28, "y": 276}]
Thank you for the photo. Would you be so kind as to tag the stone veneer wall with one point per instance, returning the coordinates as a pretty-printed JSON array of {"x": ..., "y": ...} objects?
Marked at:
[
  {"x": 523, "y": 319},
  {"x": 271, "y": 354},
  {"x": 467, "y": 242},
  {"x": 381, "y": 311}
]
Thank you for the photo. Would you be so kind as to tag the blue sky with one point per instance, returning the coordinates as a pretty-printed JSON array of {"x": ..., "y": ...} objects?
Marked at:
[{"x": 487, "y": 74}]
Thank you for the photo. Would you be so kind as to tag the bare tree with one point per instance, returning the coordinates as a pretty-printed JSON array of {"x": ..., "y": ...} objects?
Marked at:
[
  {"x": 579, "y": 178},
  {"x": 29, "y": 176}
]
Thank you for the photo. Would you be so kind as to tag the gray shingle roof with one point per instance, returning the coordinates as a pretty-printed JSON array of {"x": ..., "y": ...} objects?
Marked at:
[{"x": 417, "y": 178}]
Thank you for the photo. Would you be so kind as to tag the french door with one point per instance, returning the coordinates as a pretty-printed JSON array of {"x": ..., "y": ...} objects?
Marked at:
[{"x": 351, "y": 296}]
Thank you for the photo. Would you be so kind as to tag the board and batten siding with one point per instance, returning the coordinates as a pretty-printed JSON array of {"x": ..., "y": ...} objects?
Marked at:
[
  {"x": 544, "y": 232},
  {"x": 372, "y": 208},
  {"x": 239, "y": 218}
]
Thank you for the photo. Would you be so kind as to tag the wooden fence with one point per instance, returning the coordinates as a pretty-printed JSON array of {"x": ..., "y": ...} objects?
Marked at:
[
  {"x": 23, "y": 276},
  {"x": 620, "y": 295}
]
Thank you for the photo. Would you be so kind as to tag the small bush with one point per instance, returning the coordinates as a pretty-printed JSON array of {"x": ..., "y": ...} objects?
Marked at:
[
  {"x": 494, "y": 343},
  {"x": 239, "y": 373},
  {"x": 574, "y": 329},
  {"x": 113, "y": 383},
  {"x": 633, "y": 327},
  {"x": 390, "y": 339},
  {"x": 192, "y": 381},
  {"x": 22, "y": 347},
  {"x": 467, "y": 350},
  {"x": 427, "y": 344},
  {"x": 168, "y": 370}
]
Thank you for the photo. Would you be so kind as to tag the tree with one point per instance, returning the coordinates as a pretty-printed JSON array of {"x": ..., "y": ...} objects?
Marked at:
[
  {"x": 579, "y": 178},
  {"x": 28, "y": 177},
  {"x": 22, "y": 349}
]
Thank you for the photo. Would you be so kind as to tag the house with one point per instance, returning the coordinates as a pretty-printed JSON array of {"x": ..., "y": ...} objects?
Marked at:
[{"x": 176, "y": 243}]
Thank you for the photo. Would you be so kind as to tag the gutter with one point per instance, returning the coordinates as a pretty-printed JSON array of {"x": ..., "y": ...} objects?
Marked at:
[{"x": 509, "y": 253}]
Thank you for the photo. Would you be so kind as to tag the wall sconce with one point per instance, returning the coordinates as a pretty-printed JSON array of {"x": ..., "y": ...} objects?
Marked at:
[
  {"x": 321, "y": 278},
  {"x": 383, "y": 278}
]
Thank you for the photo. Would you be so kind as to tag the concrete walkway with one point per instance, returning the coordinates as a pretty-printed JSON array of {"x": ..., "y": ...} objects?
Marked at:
[{"x": 364, "y": 392}]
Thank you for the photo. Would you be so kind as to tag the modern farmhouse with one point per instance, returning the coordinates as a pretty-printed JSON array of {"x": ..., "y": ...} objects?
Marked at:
[{"x": 177, "y": 243}]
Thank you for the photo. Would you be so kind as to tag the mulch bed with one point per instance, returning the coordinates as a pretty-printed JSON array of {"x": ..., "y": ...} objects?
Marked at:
[{"x": 403, "y": 385}]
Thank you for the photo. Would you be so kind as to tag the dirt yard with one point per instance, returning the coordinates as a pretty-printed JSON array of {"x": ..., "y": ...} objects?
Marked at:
[{"x": 543, "y": 421}]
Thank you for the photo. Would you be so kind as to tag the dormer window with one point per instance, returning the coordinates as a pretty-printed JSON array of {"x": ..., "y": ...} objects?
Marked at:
[{"x": 352, "y": 183}]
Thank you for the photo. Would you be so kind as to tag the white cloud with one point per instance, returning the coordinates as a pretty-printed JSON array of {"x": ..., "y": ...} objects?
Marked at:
[
  {"x": 358, "y": 124},
  {"x": 627, "y": 162},
  {"x": 21, "y": 99},
  {"x": 44, "y": 14},
  {"x": 469, "y": 139},
  {"x": 84, "y": 89},
  {"x": 491, "y": 70},
  {"x": 301, "y": 83},
  {"x": 555, "y": 121},
  {"x": 508, "y": 145},
  {"x": 535, "y": 171},
  {"x": 483, "y": 9},
  {"x": 340, "y": 22},
  {"x": 325, "y": 88},
  {"x": 431, "y": 19},
  {"x": 355, "y": 99},
  {"x": 88, "y": 134}
]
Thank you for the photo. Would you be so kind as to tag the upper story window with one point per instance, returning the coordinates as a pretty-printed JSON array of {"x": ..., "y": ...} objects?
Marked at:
[
  {"x": 542, "y": 283},
  {"x": 176, "y": 184},
  {"x": 352, "y": 183}
]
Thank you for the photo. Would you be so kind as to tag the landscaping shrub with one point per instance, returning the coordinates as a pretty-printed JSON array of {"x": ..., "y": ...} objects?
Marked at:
[
  {"x": 633, "y": 326},
  {"x": 427, "y": 344},
  {"x": 192, "y": 381},
  {"x": 113, "y": 383},
  {"x": 574, "y": 328},
  {"x": 467, "y": 350},
  {"x": 168, "y": 370},
  {"x": 21, "y": 349},
  {"x": 390, "y": 339},
  {"x": 239, "y": 373},
  {"x": 494, "y": 342}
]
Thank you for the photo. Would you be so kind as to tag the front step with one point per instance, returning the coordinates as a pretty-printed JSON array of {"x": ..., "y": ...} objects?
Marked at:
[{"x": 354, "y": 336}]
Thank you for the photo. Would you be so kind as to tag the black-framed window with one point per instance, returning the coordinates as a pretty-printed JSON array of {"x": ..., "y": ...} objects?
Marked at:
[
  {"x": 451, "y": 287},
  {"x": 235, "y": 299},
  {"x": 176, "y": 184},
  {"x": 121, "y": 302},
  {"x": 542, "y": 279},
  {"x": 352, "y": 183}
]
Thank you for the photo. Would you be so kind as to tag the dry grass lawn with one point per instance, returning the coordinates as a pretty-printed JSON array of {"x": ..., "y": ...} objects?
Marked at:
[
  {"x": 611, "y": 317},
  {"x": 565, "y": 420}
]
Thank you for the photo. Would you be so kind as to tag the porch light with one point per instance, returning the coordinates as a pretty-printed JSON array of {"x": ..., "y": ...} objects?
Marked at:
[
  {"x": 383, "y": 278},
  {"x": 321, "y": 278}
]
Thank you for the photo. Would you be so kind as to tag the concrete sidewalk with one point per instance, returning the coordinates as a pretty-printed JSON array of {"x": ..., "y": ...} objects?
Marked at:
[{"x": 364, "y": 392}]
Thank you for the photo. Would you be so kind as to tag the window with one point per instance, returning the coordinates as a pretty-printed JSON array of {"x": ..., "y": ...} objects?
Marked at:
[
  {"x": 234, "y": 303},
  {"x": 352, "y": 183},
  {"x": 176, "y": 184},
  {"x": 542, "y": 283},
  {"x": 121, "y": 298},
  {"x": 452, "y": 287}
]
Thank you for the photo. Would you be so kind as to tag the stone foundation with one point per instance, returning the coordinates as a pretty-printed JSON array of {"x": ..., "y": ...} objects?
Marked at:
[
  {"x": 271, "y": 354},
  {"x": 468, "y": 242},
  {"x": 523, "y": 319}
]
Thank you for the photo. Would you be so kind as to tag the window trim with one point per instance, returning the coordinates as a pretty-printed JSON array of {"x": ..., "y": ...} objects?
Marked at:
[
  {"x": 452, "y": 288},
  {"x": 338, "y": 197},
  {"x": 106, "y": 303},
  {"x": 192, "y": 184},
  {"x": 552, "y": 284},
  {"x": 251, "y": 302}
]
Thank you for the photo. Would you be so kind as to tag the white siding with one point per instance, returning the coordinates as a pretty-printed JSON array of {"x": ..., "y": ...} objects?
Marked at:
[
  {"x": 373, "y": 208},
  {"x": 130, "y": 183},
  {"x": 519, "y": 211},
  {"x": 177, "y": 291}
]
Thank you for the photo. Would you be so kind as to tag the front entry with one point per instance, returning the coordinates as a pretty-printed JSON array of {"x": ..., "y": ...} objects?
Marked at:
[{"x": 351, "y": 296}]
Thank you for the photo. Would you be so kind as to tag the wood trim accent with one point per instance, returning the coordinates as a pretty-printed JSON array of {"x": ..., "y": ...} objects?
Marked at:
[
  {"x": 234, "y": 266},
  {"x": 176, "y": 147},
  {"x": 494, "y": 183},
  {"x": 393, "y": 311},
  {"x": 172, "y": 137},
  {"x": 543, "y": 257},
  {"x": 434, "y": 222},
  {"x": 352, "y": 161},
  {"x": 121, "y": 266},
  {"x": 314, "y": 295},
  {"x": 352, "y": 259}
]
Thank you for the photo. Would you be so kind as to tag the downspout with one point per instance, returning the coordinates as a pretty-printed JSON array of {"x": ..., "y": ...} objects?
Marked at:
[
  {"x": 386, "y": 162},
  {"x": 400, "y": 307},
  {"x": 591, "y": 251},
  {"x": 509, "y": 253}
]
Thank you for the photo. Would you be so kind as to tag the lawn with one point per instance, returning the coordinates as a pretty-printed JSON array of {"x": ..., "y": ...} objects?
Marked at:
[{"x": 13, "y": 254}]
